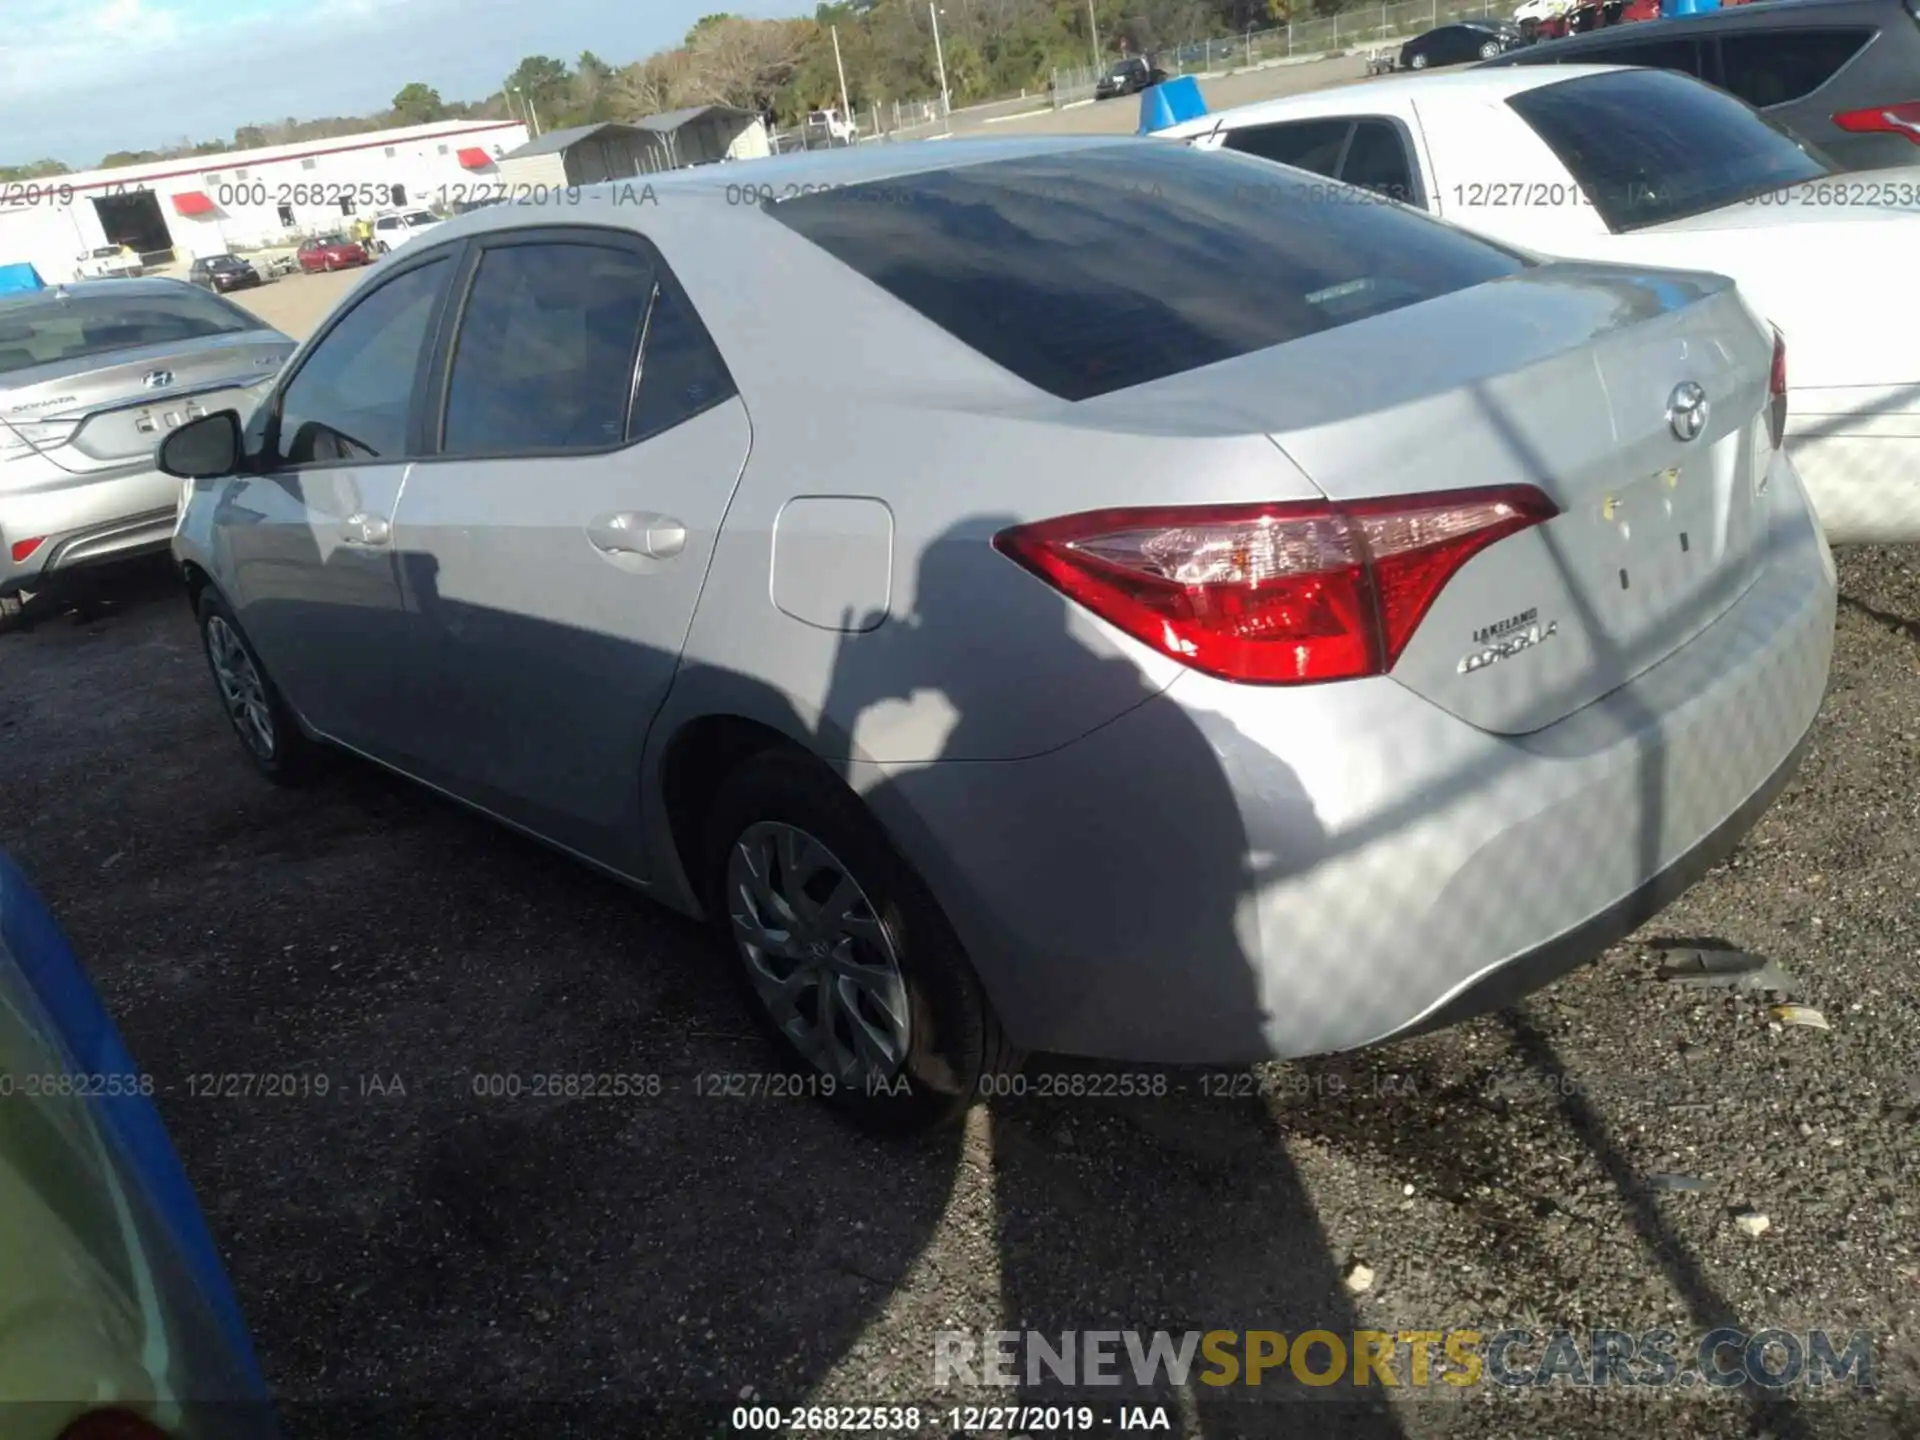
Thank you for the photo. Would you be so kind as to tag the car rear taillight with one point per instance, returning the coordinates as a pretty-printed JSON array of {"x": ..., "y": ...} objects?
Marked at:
[
  {"x": 1902, "y": 119},
  {"x": 1777, "y": 392},
  {"x": 23, "y": 548},
  {"x": 112, "y": 1425},
  {"x": 1273, "y": 594}
]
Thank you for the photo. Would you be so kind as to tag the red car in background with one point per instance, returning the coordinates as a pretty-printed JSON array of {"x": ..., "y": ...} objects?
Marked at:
[{"x": 331, "y": 252}]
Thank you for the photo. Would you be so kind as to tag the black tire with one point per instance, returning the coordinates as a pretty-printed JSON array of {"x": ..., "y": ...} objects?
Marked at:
[
  {"x": 954, "y": 1041},
  {"x": 13, "y": 613},
  {"x": 287, "y": 756}
]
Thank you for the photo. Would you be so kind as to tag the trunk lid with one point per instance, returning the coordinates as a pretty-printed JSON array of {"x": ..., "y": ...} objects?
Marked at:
[
  {"x": 1559, "y": 377},
  {"x": 100, "y": 412}
]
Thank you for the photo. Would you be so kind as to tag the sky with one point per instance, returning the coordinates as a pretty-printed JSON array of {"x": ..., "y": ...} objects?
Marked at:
[{"x": 81, "y": 78}]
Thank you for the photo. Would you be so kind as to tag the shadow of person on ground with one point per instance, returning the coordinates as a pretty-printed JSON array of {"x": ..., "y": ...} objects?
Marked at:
[{"x": 1131, "y": 1198}]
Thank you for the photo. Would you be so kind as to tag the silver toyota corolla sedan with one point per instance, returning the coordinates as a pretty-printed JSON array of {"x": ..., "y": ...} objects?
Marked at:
[
  {"x": 1084, "y": 596},
  {"x": 92, "y": 374}
]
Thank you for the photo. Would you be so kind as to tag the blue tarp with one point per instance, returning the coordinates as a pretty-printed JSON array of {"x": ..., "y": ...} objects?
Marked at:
[
  {"x": 1169, "y": 103},
  {"x": 30, "y": 934},
  {"x": 20, "y": 277}
]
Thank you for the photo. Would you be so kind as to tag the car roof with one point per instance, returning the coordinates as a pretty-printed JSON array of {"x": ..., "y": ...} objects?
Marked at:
[
  {"x": 1759, "y": 14},
  {"x": 139, "y": 285},
  {"x": 1475, "y": 86}
]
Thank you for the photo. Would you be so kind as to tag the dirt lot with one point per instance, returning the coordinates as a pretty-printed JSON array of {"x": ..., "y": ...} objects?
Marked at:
[
  {"x": 406, "y": 1239},
  {"x": 297, "y": 303}
]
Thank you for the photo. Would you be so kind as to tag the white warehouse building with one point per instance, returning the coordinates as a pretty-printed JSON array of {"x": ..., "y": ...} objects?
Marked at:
[{"x": 178, "y": 209}]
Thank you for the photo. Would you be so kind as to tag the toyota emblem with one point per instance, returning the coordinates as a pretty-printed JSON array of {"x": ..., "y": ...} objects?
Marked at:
[{"x": 1687, "y": 410}]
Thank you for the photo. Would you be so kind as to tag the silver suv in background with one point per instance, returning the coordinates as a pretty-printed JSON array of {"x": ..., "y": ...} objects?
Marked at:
[{"x": 92, "y": 376}]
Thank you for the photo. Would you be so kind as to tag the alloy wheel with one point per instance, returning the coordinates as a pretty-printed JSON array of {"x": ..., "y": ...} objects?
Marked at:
[
  {"x": 817, "y": 954},
  {"x": 241, "y": 689}
]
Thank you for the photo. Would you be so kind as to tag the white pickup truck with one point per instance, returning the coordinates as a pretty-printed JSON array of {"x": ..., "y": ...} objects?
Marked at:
[{"x": 109, "y": 262}]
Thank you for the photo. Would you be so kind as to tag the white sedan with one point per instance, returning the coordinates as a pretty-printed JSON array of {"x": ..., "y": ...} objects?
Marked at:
[{"x": 1649, "y": 167}]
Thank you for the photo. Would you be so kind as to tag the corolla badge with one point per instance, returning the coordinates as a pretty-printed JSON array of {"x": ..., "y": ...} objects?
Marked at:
[
  {"x": 1687, "y": 410},
  {"x": 158, "y": 379}
]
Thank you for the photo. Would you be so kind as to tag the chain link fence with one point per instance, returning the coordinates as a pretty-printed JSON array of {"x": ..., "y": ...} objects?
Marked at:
[{"x": 1358, "y": 28}]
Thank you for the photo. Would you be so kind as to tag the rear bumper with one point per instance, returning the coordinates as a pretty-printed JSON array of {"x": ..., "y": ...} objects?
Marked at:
[
  {"x": 1228, "y": 874},
  {"x": 83, "y": 521}
]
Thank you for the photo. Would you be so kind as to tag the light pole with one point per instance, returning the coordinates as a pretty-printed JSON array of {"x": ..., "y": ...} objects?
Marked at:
[
  {"x": 1093, "y": 31},
  {"x": 946, "y": 98},
  {"x": 533, "y": 116},
  {"x": 846, "y": 106}
]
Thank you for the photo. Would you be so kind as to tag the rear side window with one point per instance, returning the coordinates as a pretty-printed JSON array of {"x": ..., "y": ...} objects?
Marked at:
[
  {"x": 1093, "y": 271},
  {"x": 50, "y": 331},
  {"x": 1306, "y": 144},
  {"x": 546, "y": 351},
  {"x": 1377, "y": 160},
  {"x": 681, "y": 373},
  {"x": 1774, "y": 67},
  {"x": 1648, "y": 146}
]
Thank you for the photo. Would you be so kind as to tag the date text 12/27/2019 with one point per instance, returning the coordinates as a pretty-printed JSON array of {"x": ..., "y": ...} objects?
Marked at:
[{"x": 951, "y": 1422}]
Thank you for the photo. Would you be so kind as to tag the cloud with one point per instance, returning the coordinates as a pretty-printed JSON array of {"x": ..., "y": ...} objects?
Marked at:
[{"x": 76, "y": 82}]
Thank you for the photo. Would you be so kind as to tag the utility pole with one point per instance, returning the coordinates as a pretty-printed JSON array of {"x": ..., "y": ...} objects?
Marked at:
[
  {"x": 846, "y": 106},
  {"x": 1093, "y": 31},
  {"x": 946, "y": 98}
]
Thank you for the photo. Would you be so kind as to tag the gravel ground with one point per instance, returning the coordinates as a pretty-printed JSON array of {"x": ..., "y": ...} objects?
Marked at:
[{"x": 404, "y": 1239}]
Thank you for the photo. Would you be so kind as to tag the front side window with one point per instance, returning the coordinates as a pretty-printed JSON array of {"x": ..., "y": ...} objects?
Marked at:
[
  {"x": 1649, "y": 146},
  {"x": 1093, "y": 271},
  {"x": 546, "y": 352},
  {"x": 1680, "y": 55},
  {"x": 350, "y": 398}
]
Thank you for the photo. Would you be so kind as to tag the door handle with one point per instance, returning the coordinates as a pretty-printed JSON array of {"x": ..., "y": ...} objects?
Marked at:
[
  {"x": 657, "y": 537},
  {"x": 364, "y": 529}
]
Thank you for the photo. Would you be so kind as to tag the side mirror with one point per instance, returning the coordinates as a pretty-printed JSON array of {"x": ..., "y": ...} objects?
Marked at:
[{"x": 208, "y": 447}]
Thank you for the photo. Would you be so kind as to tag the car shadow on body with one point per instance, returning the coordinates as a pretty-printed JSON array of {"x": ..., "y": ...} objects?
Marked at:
[{"x": 1136, "y": 1198}]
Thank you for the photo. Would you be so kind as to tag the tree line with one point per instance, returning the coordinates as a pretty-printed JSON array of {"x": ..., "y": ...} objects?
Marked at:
[{"x": 784, "y": 68}]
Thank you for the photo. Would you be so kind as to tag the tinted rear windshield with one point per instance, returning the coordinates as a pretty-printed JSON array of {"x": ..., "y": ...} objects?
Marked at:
[
  {"x": 49, "y": 331},
  {"x": 1650, "y": 146},
  {"x": 1095, "y": 270}
]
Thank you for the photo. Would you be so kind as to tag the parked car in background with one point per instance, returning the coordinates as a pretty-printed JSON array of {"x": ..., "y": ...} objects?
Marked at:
[
  {"x": 1344, "y": 594},
  {"x": 91, "y": 376},
  {"x": 331, "y": 252},
  {"x": 107, "y": 262},
  {"x": 830, "y": 127},
  {"x": 223, "y": 273},
  {"x": 1128, "y": 75},
  {"x": 1460, "y": 43},
  {"x": 117, "y": 1321},
  {"x": 1842, "y": 74},
  {"x": 390, "y": 232},
  {"x": 1648, "y": 167}
]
